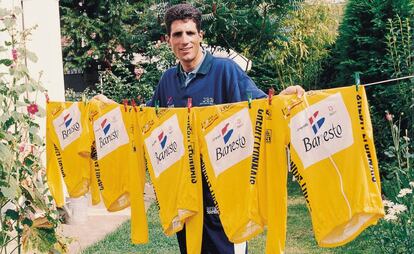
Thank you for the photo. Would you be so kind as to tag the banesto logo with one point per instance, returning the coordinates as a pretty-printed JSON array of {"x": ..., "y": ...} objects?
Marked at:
[
  {"x": 327, "y": 135},
  {"x": 162, "y": 139},
  {"x": 316, "y": 123},
  {"x": 229, "y": 147},
  {"x": 226, "y": 133},
  {"x": 321, "y": 129},
  {"x": 67, "y": 120},
  {"x": 105, "y": 125},
  {"x": 108, "y": 136},
  {"x": 166, "y": 150}
]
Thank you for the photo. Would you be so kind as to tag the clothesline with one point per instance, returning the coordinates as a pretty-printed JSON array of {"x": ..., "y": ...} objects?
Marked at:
[{"x": 387, "y": 81}]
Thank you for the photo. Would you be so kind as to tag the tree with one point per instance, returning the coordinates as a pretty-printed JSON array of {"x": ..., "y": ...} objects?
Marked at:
[
  {"x": 361, "y": 44},
  {"x": 104, "y": 37},
  {"x": 99, "y": 33},
  {"x": 247, "y": 27},
  {"x": 306, "y": 36}
]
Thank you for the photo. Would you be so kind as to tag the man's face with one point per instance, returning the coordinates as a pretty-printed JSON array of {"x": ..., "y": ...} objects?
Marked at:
[{"x": 184, "y": 41}]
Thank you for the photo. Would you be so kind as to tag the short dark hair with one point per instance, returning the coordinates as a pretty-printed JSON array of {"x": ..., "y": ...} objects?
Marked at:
[{"x": 182, "y": 12}]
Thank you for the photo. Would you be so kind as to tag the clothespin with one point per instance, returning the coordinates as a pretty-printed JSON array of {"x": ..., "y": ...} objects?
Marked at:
[
  {"x": 157, "y": 105},
  {"x": 249, "y": 99},
  {"x": 134, "y": 105},
  {"x": 125, "y": 102},
  {"x": 84, "y": 99},
  {"x": 47, "y": 97},
  {"x": 357, "y": 80},
  {"x": 141, "y": 103},
  {"x": 270, "y": 95},
  {"x": 189, "y": 104}
]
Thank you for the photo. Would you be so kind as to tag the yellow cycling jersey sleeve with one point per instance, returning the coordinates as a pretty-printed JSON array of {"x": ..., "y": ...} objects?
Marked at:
[
  {"x": 167, "y": 160},
  {"x": 231, "y": 138},
  {"x": 333, "y": 157},
  {"x": 194, "y": 224},
  {"x": 274, "y": 197},
  {"x": 53, "y": 174},
  {"x": 139, "y": 225},
  {"x": 67, "y": 135},
  {"x": 111, "y": 153}
]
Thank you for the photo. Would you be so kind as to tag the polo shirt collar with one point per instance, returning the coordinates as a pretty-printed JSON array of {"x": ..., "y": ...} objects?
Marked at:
[{"x": 204, "y": 67}]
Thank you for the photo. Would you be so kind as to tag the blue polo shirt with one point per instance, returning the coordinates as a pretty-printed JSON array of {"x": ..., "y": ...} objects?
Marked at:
[{"x": 217, "y": 81}]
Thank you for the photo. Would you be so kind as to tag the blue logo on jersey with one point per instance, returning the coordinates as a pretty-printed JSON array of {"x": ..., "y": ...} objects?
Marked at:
[
  {"x": 226, "y": 133},
  {"x": 162, "y": 139},
  {"x": 105, "y": 126},
  {"x": 67, "y": 120},
  {"x": 316, "y": 123}
]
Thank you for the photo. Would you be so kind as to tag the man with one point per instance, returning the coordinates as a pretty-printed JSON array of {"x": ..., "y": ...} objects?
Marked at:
[{"x": 208, "y": 80}]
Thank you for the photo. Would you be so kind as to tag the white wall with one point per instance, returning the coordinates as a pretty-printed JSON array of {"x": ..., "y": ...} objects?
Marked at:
[{"x": 45, "y": 43}]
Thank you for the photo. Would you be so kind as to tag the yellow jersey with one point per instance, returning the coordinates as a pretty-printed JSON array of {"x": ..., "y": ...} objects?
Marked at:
[
  {"x": 67, "y": 135},
  {"x": 172, "y": 166},
  {"x": 231, "y": 139},
  {"x": 111, "y": 144},
  {"x": 333, "y": 159}
]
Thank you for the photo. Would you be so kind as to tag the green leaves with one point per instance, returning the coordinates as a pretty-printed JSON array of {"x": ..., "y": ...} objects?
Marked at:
[
  {"x": 6, "y": 62},
  {"x": 27, "y": 221},
  {"x": 12, "y": 214}
]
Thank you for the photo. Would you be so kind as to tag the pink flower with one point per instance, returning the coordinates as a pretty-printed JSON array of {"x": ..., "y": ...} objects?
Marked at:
[
  {"x": 65, "y": 41},
  {"x": 388, "y": 116},
  {"x": 14, "y": 54},
  {"x": 22, "y": 147},
  {"x": 120, "y": 49},
  {"x": 89, "y": 52},
  {"x": 32, "y": 108}
]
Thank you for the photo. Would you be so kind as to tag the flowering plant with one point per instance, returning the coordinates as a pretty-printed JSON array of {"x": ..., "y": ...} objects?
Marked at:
[
  {"x": 28, "y": 217},
  {"x": 395, "y": 233}
]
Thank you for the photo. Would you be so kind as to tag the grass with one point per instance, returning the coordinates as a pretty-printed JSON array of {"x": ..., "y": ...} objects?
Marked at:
[
  {"x": 119, "y": 240},
  {"x": 300, "y": 238}
]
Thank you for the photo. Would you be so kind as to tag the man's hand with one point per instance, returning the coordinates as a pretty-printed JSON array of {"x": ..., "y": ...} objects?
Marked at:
[
  {"x": 298, "y": 90},
  {"x": 104, "y": 99}
]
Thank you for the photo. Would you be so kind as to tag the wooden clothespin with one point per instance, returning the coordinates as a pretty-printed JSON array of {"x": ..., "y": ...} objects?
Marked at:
[
  {"x": 47, "y": 97},
  {"x": 270, "y": 95},
  {"x": 125, "y": 102},
  {"x": 134, "y": 105},
  {"x": 249, "y": 99},
  {"x": 357, "y": 80},
  {"x": 189, "y": 104}
]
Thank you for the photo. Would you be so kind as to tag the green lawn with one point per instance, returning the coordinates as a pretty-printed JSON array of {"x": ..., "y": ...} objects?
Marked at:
[{"x": 300, "y": 237}]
